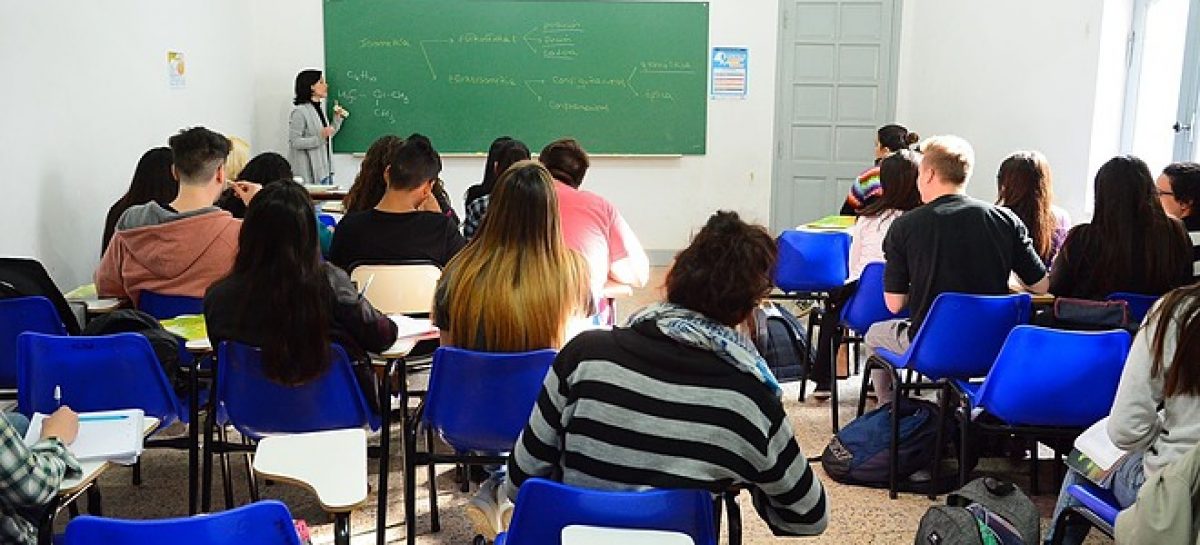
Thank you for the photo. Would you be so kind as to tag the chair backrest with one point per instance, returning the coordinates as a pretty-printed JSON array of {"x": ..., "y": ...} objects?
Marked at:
[
  {"x": 164, "y": 307},
  {"x": 18, "y": 315},
  {"x": 867, "y": 305},
  {"x": 327, "y": 220},
  {"x": 29, "y": 277},
  {"x": 544, "y": 508},
  {"x": 962, "y": 334},
  {"x": 812, "y": 261},
  {"x": 267, "y": 522},
  {"x": 1139, "y": 304},
  {"x": 1080, "y": 370},
  {"x": 481, "y": 401},
  {"x": 398, "y": 289},
  {"x": 100, "y": 373},
  {"x": 258, "y": 406}
]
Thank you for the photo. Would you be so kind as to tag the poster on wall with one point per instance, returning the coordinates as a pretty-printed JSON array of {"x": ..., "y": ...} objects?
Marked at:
[
  {"x": 176, "y": 70},
  {"x": 729, "y": 72}
]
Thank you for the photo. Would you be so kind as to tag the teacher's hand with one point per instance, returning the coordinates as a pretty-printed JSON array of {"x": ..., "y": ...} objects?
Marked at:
[{"x": 327, "y": 132}]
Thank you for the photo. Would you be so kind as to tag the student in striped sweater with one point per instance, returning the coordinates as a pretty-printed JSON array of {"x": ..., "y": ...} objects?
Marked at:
[
  {"x": 677, "y": 398},
  {"x": 867, "y": 189}
]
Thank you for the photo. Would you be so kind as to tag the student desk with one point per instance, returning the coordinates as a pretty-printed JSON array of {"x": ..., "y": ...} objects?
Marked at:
[
  {"x": 70, "y": 489},
  {"x": 333, "y": 464},
  {"x": 394, "y": 358}
]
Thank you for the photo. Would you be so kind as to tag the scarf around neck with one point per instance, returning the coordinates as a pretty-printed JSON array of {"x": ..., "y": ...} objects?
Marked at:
[{"x": 696, "y": 330}]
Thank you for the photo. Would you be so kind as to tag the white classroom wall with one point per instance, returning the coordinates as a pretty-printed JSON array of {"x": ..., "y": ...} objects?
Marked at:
[
  {"x": 1017, "y": 75},
  {"x": 664, "y": 200},
  {"x": 87, "y": 94}
]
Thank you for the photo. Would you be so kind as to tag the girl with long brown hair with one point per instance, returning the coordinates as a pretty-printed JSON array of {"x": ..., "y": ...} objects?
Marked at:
[
  {"x": 1024, "y": 186},
  {"x": 1156, "y": 414},
  {"x": 369, "y": 185}
]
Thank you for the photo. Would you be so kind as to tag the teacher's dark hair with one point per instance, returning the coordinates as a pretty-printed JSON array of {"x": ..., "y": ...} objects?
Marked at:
[
  {"x": 413, "y": 163},
  {"x": 280, "y": 261},
  {"x": 152, "y": 181},
  {"x": 304, "y": 82},
  {"x": 725, "y": 271},
  {"x": 566, "y": 161},
  {"x": 197, "y": 153}
]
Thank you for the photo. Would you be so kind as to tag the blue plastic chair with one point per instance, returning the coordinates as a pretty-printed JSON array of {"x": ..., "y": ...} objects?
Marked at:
[
  {"x": 258, "y": 407},
  {"x": 959, "y": 339},
  {"x": 812, "y": 261},
  {"x": 544, "y": 508},
  {"x": 327, "y": 220},
  {"x": 1099, "y": 510},
  {"x": 1037, "y": 364},
  {"x": 262, "y": 523},
  {"x": 1139, "y": 304},
  {"x": 164, "y": 307},
  {"x": 18, "y": 315},
  {"x": 477, "y": 402},
  {"x": 93, "y": 374}
]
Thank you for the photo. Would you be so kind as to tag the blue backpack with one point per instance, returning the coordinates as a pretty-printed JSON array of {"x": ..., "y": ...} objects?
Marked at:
[{"x": 858, "y": 454}]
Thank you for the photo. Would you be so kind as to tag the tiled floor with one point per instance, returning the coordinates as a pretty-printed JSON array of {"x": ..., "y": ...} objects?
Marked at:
[{"x": 859, "y": 515}]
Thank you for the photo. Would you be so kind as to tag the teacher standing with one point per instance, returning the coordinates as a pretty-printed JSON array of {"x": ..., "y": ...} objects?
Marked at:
[{"x": 309, "y": 130}]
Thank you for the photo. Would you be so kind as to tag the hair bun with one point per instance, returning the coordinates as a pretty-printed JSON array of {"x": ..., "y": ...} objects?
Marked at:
[{"x": 912, "y": 138}]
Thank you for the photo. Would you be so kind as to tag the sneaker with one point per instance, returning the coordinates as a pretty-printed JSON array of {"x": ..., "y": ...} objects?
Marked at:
[
  {"x": 484, "y": 512},
  {"x": 821, "y": 392}
]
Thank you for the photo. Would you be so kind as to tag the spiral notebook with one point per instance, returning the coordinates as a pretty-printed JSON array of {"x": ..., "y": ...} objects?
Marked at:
[{"x": 116, "y": 436}]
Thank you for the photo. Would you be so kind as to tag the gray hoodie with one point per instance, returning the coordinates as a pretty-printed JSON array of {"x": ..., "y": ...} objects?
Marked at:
[
  {"x": 153, "y": 213},
  {"x": 1136, "y": 423}
]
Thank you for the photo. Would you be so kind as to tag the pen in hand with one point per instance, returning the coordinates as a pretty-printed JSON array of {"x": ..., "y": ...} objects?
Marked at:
[{"x": 58, "y": 396}]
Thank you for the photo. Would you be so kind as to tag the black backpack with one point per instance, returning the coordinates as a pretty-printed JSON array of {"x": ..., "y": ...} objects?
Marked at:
[
  {"x": 783, "y": 342},
  {"x": 858, "y": 454},
  {"x": 985, "y": 506},
  {"x": 166, "y": 345}
]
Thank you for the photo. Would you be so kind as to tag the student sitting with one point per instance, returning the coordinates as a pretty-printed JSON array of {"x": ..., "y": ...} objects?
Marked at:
[
  {"x": 1179, "y": 191},
  {"x": 1156, "y": 413},
  {"x": 152, "y": 181},
  {"x": 898, "y": 179},
  {"x": 30, "y": 476},
  {"x": 369, "y": 185},
  {"x": 506, "y": 154},
  {"x": 866, "y": 189},
  {"x": 490, "y": 175},
  {"x": 183, "y": 247},
  {"x": 1131, "y": 245},
  {"x": 953, "y": 243},
  {"x": 512, "y": 289},
  {"x": 678, "y": 399},
  {"x": 400, "y": 228},
  {"x": 1023, "y": 184},
  {"x": 263, "y": 169},
  {"x": 591, "y": 225},
  {"x": 282, "y": 298}
]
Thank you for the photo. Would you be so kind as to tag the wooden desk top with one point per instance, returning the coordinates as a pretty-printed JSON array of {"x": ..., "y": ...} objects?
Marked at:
[{"x": 333, "y": 464}]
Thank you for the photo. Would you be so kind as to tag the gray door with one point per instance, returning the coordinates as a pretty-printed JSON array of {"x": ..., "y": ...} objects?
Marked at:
[{"x": 837, "y": 63}]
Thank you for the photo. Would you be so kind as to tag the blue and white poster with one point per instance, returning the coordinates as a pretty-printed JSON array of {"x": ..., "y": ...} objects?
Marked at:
[{"x": 729, "y": 72}]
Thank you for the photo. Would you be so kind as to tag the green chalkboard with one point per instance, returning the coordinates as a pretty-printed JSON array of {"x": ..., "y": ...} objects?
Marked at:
[{"x": 621, "y": 77}]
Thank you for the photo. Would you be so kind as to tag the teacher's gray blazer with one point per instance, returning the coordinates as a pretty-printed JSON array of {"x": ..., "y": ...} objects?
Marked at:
[{"x": 308, "y": 153}]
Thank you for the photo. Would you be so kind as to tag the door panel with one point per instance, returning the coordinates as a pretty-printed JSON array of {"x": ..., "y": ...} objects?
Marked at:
[{"x": 836, "y": 87}]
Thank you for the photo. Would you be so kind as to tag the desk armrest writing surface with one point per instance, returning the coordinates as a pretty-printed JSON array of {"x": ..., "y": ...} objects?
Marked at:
[
  {"x": 93, "y": 469},
  {"x": 332, "y": 464},
  {"x": 614, "y": 290}
]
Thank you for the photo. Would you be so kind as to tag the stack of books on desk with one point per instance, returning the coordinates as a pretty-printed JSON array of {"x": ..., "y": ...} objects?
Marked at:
[{"x": 114, "y": 436}]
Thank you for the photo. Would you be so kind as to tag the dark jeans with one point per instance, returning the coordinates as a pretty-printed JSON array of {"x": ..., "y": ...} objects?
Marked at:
[{"x": 830, "y": 335}]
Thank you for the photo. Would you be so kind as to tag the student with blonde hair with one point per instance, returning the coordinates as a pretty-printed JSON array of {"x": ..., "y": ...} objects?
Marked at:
[
  {"x": 512, "y": 289},
  {"x": 239, "y": 155}
]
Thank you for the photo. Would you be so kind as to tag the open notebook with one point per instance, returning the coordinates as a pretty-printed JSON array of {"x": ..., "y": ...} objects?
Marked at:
[
  {"x": 1095, "y": 455},
  {"x": 103, "y": 435}
]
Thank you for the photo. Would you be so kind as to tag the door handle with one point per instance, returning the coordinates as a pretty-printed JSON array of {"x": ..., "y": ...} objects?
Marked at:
[{"x": 1179, "y": 127}]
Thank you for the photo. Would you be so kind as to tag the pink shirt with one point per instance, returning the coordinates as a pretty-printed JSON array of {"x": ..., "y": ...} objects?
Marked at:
[{"x": 594, "y": 228}]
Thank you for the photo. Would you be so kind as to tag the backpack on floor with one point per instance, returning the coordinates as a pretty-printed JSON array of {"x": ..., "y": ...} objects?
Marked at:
[
  {"x": 984, "y": 512},
  {"x": 783, "y": 342},
  {"x": 858, "y": 454}
]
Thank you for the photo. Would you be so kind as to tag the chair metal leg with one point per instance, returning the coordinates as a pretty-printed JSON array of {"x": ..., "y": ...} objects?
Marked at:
[
  {"x": 408, "y": 432},
  {"x": 434, "y": 523},
  {"x": 341, "y": 529},
  {"x": 137, "y": 473},
  {"x": 866, "y": 378},
  {"x": 894, "y": 446},
  {"x": 836, "y": 339},
  {"x": 193, "y": 436},
  {"x": 73, "y": 509},
  {"x": 95, "y": 506},
  {"x": 207, "y": 474},
  {"x": 251, "y": 478},
  {"x": 963, "y": 434},
  {"x": 385, "y": 442},
  {"x": 226, "y": 471},
  {"x": 940, "y": 439},
  {"x": 1034, "y": 487}
]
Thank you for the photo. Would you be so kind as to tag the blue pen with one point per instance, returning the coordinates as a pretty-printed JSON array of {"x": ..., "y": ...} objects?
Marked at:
[{"x": 103, "y": 418}]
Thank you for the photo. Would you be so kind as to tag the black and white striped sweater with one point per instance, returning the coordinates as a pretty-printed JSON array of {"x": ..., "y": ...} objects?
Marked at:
[{"x": 630, "y": 409}]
